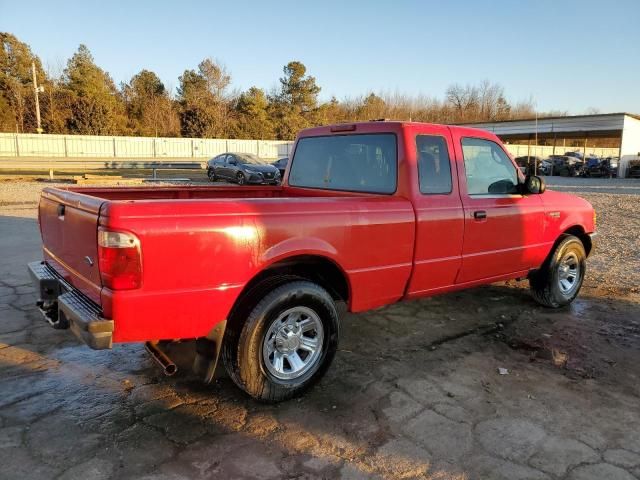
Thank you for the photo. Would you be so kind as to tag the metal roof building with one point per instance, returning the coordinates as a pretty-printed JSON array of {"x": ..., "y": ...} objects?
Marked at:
[{"x": 624, "y": 126}]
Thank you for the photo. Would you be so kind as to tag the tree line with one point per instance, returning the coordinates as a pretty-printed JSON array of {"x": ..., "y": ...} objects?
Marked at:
[{"x": 84, "y": 99}]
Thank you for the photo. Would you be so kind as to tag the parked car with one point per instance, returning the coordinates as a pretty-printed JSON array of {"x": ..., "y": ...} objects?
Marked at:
[
  {"x": 242, "y": 168},
  {"x": 577, "y": 155},
  {"x": 546, "y": 167},
  {"x": 592, "y": 161},
  {"x": 281, "y": 164},
  {"x": 369, "y": 214},
  {"x": 603, "y": 168},
  {"x": 566, "y": 165},
  {"x": 634, "y": 169},
  {"x": 531, "y": 165}
]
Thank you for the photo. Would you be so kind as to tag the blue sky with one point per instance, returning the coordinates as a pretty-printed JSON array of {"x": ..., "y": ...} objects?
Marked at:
[{"x": 566, "y": 54}]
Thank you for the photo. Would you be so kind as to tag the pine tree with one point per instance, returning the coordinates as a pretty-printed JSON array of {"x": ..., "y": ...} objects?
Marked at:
[
  {"x": 252, "y": 119},
  {"x": 149, "y": 107},
  {"x": 204, "y": 106},
  {"x": 296, "y": 105},
  {"x": 96, "y": 104}
]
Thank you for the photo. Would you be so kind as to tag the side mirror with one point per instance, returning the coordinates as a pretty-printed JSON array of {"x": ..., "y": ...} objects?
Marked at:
[{"x": 534, "y": 184}]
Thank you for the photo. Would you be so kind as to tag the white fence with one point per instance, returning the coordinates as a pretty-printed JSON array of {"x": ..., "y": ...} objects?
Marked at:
[
  {"x": 31, "y": 151},
  {"x": 544, "y": 151},
  {"x": 93, "y": 146}
]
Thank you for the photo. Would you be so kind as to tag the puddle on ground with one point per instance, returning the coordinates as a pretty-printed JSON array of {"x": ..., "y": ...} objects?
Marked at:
[{"x": 580, "y": 306}]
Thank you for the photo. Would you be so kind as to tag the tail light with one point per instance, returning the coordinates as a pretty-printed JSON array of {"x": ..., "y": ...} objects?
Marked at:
[{"x": 119, "y": 260}]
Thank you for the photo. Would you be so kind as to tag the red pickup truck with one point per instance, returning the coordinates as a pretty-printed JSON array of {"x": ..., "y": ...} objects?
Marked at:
[{"x": 368, "y": 214}]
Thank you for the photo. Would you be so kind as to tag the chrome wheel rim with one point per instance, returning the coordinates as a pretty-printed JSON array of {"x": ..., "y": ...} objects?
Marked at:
[
  {"x": 293, "y": 343},
  {"x": 568, "y": 274},
  {"x": 240, "y": 179}
]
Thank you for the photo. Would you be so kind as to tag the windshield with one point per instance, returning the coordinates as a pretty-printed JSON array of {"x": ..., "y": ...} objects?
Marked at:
[{"x": 250, "y": 158}]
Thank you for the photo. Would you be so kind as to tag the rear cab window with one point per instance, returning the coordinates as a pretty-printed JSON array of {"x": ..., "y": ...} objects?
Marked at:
[
  {"x": 357, "y": 163},
  {"x": 488, "y": 169},
  {"x": 434, "y": 165}
]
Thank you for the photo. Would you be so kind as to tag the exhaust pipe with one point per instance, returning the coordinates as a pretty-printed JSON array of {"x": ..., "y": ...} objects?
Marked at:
[{"x": 163, "y": 360}]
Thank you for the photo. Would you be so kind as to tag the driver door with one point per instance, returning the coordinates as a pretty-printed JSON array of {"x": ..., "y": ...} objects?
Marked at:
[
  {"x": 503, "y": 229},
  {"x": 221, "y": 166}
]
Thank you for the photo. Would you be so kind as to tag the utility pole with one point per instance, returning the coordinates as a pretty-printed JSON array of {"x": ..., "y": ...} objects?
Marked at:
[{"x": 36, "y": 90}]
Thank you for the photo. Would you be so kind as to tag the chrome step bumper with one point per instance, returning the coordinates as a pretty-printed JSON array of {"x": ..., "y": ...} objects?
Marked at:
[{"x": 63, "y": 307}]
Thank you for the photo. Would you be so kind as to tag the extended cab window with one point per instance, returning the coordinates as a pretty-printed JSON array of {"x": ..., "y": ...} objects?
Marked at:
[
  {"x": 434, "y": 167},
  {"x": 361, "y": 163},
  {"x": 488, "y": 169}
]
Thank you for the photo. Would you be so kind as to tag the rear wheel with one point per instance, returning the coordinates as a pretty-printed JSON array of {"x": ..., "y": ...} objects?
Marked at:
[
  {"x": 286, "y": 344},
  {"x": 240, "y": 178},
  {"x": 559, "y": 280},
  {"x": 211, "y": 173}
]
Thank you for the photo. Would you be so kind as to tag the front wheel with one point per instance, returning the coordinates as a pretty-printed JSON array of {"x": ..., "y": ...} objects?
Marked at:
[
  {"x": 559, "y": 280},
  {"x": 286, "y": 344}
]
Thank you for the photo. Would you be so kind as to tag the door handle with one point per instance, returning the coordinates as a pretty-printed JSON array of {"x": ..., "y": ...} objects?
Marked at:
[
  {"x": 61, "y": 210},
  {"x": 479, "y": 214}
]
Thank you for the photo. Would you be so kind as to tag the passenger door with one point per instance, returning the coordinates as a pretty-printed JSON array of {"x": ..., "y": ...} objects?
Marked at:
[
  {"x": 439, "y": 213},
  {"x": 503, "y": 229}
]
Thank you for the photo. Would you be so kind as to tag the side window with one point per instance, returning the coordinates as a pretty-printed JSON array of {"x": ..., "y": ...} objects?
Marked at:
[
  {"x": 434, "y": 166},
  {"x": 488, "y": 169}
]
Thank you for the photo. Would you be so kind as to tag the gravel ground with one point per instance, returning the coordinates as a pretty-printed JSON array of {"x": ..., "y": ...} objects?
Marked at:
[
  {"x": 20, "y": 198},
  {"x": 414, "y": 391},
  {"x": 615, "y": 264}
]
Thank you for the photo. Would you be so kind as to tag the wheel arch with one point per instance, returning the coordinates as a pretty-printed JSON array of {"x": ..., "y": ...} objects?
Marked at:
[
  {"x": 315, "y": 268},
  {"x": 579, "y": 232}
]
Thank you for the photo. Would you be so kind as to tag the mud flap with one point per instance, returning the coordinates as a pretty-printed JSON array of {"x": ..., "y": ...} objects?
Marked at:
[{"x": 208, "y": 352}]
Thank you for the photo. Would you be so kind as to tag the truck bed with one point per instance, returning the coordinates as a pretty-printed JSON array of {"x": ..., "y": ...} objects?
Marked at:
[{"x": 202, "y": 245}]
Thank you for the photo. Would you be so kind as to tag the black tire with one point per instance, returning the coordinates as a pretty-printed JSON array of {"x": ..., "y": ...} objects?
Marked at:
[
  {"x": 240, "y": 178},
  {"x": 242, "y": 351},
  {"x": 211, "y": 173},
  {"x": 546, "y": 286}
]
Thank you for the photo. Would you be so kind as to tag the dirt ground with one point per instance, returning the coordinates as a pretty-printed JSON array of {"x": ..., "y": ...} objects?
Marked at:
[{"x": 414, "y": 391}]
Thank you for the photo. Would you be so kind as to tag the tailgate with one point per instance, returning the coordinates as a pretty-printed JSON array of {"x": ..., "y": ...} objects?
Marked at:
[{"x": 69, "y": 225}]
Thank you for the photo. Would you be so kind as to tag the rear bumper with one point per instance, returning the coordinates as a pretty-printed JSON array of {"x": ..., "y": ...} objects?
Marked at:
[{"x": 65, "y": 307}]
